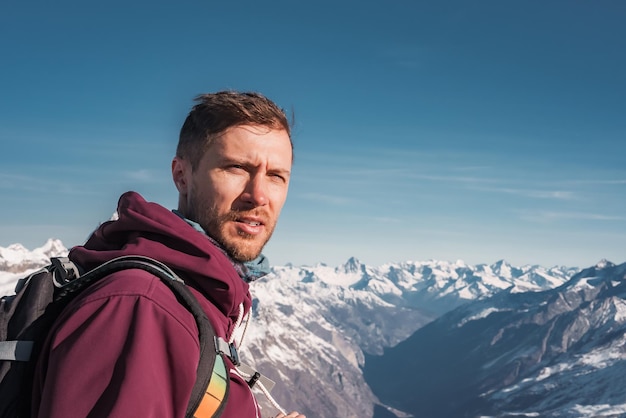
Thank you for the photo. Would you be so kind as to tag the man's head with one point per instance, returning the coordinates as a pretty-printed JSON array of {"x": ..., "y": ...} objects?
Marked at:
[{"x": 232, "y": 169}]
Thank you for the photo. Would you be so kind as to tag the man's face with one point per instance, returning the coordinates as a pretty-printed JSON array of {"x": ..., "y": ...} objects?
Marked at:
[{"x": 239, "y": 187}]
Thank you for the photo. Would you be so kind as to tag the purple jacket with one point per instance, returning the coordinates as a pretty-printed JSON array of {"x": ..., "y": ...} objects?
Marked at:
[{"x": 126, "y": 347}]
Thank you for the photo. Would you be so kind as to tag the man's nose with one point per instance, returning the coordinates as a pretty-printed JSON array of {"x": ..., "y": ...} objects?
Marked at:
[{"x": 255, "y": 192}]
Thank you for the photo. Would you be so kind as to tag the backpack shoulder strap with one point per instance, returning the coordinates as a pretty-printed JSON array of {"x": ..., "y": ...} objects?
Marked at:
[{"x": 210, "y": 391}]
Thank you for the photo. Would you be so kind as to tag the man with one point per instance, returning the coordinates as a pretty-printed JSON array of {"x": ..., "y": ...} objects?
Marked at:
[{"x": 125, "y": 347}]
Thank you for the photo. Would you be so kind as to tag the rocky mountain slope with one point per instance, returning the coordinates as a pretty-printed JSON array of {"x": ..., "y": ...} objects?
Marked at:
[
  {"x": 314, "y": 326},
  {"x": 554, "y": 353}
]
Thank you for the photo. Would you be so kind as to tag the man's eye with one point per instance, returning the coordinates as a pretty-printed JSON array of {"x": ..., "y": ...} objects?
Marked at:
[{"x": 277, "y": 177}]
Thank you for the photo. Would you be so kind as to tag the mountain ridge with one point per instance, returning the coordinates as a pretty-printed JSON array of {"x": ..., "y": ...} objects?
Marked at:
[{"x": 558, "y": 352}]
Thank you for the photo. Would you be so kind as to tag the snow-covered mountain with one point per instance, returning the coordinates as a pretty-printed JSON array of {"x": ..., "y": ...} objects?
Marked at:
[
  {"x": 17, "y": 261},
  {"x": 313, "y": 327},
  {"x": 555, "y": 353}
]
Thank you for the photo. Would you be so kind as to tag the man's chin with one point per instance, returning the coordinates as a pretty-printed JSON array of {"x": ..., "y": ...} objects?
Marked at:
[
  {"x": 243, "y": 250},
  {"x": 243, "y": 257}
]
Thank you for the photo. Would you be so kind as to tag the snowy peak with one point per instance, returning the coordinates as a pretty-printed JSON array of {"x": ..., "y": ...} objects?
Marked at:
[
  {"x": 16, "y": 258},
  {"x": 352, "y": 266},
  {"x": 342, "y": 276},
  {"x": 602, "y": 275},
  {"x": 604, "y": 263},
  {"x": 52, "y": 248},
  {"x": 505, "y": 270}
]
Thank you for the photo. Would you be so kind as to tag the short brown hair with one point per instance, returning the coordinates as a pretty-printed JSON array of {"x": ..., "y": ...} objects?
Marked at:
[{"x": 216, "y": 112}]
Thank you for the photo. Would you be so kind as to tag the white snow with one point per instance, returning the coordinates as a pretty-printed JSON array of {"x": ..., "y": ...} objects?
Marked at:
[{"x": 483, "y": 314}]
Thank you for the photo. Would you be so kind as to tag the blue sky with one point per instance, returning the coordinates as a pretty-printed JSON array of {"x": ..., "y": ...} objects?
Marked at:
[{"x": 447, "y": 130}]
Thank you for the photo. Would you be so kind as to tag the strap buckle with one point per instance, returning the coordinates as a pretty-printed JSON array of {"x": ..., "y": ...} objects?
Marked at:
[
  {"x": 64, "y": 271},
  {"x": 229, "y": 350}
]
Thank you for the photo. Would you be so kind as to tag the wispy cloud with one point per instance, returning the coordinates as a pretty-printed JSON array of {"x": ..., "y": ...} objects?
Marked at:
[
  {"x": 537, "y": 194},
  {"x": 385, "y": 219},
  {"x": 553, "y": 216},
  {"x": 144, "y": 176},
  {"x": 37, "y": 184},
  {"x": 353, "y": 176},
  {"x": 456, "y": 179},
  {"x": 470, "y": 168},
  {"x": 608, "y": 182},
  {"x": 326, "y": 198}
]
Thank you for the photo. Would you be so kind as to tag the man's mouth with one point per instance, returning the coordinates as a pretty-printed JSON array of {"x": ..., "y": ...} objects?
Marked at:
[{"x": 250, "y": 226}]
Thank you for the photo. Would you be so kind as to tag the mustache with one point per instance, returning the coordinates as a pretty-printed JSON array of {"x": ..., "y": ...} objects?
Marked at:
[{"x": 235, "y": 214}]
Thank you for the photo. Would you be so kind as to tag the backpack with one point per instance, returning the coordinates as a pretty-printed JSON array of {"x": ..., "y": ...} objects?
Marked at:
[{"x": 26, "y": 317}]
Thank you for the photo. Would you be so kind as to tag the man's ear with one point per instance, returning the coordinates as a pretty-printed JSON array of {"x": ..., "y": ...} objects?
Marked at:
[{"x": 180, "y": 170}]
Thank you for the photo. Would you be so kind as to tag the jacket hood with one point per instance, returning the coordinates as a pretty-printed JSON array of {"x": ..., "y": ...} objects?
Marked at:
[{"x": 148, "y": 229}]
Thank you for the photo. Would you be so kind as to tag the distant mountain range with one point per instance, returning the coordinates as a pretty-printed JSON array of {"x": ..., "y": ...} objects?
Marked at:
[
  {"x": 433, "y": 338},
  {"x": 556, "y": 353},
  {"x": 16, "y": 261}
]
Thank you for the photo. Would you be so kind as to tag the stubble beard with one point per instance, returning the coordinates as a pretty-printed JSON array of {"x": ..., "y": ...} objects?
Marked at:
[{"x": 242, "y": 247}]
